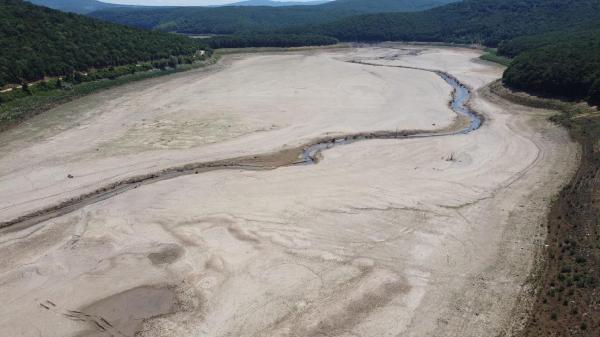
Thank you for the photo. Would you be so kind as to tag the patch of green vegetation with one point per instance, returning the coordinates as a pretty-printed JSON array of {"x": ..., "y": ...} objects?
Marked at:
[
  {"x": 36, "y": 42},
  {"x": 561, "y": 64},
  {"x": 568, "y": 109},
  {"x": 28, "y": 101},
  {"x": 491, "y": 55},
  {"x": 249, "y": 19}
]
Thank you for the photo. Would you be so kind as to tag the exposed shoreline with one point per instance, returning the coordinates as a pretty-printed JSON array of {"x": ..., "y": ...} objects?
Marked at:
[{"x": 570, "y": 219}]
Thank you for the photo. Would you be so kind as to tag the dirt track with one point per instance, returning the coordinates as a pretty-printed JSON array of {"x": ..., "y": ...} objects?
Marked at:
[{"x": 415, "y": 237}]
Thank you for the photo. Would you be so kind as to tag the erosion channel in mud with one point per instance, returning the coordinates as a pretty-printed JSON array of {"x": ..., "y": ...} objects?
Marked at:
[{"x": 303, "y": 155}]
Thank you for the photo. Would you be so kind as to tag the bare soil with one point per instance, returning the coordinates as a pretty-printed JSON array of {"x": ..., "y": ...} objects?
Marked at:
[{"x": 385, "y": 237}]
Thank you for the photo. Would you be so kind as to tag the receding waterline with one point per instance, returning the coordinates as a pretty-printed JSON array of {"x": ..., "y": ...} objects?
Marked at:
[{"x": 459, "y": 104}]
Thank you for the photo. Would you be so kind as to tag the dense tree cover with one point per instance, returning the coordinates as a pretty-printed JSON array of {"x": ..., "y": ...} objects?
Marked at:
[
  {"x": 245, "y": 19},
  {"x": 381, "y": 6},
  {"x": 110, "y": 73},
  {"x": 269, "y": 40},
  {"x": 37, "y": 42},
  {"x": 563, "y": 64},
  {"x": 516, "y": 46},
  {"x": 471, "y": 21},
  {"x": 219, "y": 20}
]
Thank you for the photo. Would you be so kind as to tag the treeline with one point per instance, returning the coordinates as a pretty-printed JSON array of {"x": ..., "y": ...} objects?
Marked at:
[
  {"x": 516, "y": 46},
  {"x": 69, "y": 80},
  {"x": 219, "y": 20},
  {"x": 36, "y": 42},
  {"x": 270, "y": 40},
  {"x": 380, "y": 6},
  {"x": 251, "y": 19},
  {"x": 562, "y": 64},
  {"x": 485, "y": 22}
]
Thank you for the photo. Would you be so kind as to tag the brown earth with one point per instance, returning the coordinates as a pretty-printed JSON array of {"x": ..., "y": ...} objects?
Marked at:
[{"x": 568, "y": 279}]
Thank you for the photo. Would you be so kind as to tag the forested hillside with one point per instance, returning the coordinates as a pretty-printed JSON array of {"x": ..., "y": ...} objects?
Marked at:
[
  {"x": 563, "y": 64},
  {"x": 471, "y": 21},
  {"x": 513, "y": 47},
  {"x": 229, "y": 20},
  {"x": 380, "y": 6},
  {"x": 219, "y": 20},
  {"x": 37, "y": 42}
]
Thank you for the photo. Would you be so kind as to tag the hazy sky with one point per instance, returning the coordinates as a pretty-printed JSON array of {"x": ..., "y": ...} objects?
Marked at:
[{"x": 174, "y": 2}]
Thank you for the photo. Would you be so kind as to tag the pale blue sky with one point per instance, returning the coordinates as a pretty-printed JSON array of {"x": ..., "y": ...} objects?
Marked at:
[{"x": 173, "y": 2}]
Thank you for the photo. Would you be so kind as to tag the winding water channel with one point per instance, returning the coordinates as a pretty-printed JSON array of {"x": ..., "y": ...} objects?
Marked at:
[
  {"x": 303, "y": 155},
  {"x": 460, "y": 98}
]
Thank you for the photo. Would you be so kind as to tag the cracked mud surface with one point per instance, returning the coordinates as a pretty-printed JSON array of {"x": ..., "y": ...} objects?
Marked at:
[{"x": 416, "y": 237}]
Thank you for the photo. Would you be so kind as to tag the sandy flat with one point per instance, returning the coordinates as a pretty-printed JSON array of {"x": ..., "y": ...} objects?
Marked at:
[
  {"x": 419, "y": 237},
  {"x": 256, "y": 104}
]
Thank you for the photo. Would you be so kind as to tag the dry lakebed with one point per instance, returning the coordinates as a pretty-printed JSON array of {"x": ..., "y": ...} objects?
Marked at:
[{"x": 216, "y": 203}]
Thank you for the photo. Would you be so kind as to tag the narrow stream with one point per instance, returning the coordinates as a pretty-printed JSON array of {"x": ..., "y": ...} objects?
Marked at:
[{"x": 460, "y": 98}]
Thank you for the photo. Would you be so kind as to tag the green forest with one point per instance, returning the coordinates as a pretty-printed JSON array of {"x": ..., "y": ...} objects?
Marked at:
[
  {"x": 37, "y": 42},
  {"x": 485, "y": 22},
  {"x": 560, "y": 64},
  {"x": 516, "y": 46},
  {"x": 231, "y": 19}
]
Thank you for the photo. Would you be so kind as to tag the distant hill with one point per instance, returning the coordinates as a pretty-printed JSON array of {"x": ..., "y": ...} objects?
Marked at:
[
  {"x": 471, "y": 21},
  {"x": 271, "y": 3},
  {"x": 74, "y": 6},
  {"x": 38, "y": 41},
  {"x": 380, "y": 6},
  {"x": 244, "y": 19}
]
